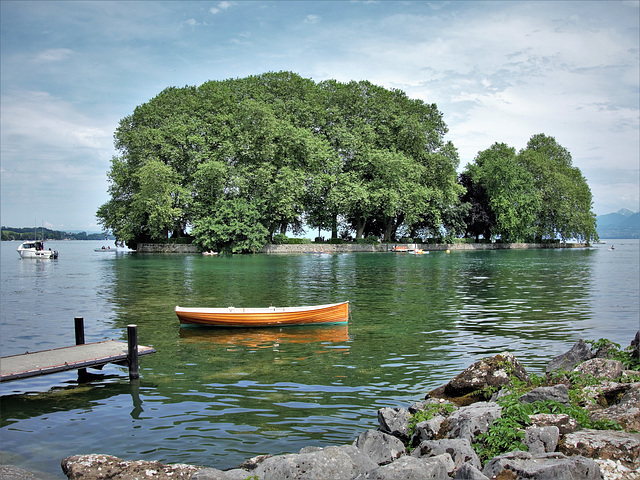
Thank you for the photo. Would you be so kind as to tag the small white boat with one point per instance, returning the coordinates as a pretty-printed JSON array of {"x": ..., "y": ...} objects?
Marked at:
[{"x": 35, "y": 249}]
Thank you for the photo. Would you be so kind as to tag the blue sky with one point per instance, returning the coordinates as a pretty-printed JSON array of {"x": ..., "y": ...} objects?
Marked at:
[{"x": 499, "y": 71}]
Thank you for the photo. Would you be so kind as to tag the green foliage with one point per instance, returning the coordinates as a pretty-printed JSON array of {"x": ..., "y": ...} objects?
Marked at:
[
  {"x": 504, "y": 435},
  {"x": 431, "y": 410},
  {"x": 352, "y": 157},
  {"x": 279, "y": 239},
  {"x": 626, "y": 356},
  {"x": 533, "y": 195}
]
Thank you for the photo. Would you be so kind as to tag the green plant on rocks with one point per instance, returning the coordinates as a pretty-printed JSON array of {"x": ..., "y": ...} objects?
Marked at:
[{"x": 428, "y": 412}]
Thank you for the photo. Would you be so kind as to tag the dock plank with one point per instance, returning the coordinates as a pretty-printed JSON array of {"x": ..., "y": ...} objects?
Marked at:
[{"x": 66, "y": 358}]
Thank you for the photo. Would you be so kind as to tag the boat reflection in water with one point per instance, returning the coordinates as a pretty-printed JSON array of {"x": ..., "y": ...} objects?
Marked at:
[{"x": 265, "y": 337}]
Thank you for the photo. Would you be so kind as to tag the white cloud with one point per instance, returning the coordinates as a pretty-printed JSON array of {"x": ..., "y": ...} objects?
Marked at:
[
  {"x": 221, "y": 7},
  {"x": 53, "y": 156},
  {"x": 53, "y": 55},
  {"x": 312, "y": 19}
]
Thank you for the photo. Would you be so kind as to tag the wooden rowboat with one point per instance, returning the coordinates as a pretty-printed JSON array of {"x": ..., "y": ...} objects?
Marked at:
[{"x": 265, "y": 317}]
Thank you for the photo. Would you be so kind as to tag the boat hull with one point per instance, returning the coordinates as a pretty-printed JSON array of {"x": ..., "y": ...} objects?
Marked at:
[
  {"x": 265, "y": 317},
  {"x": 35, "y": 249}
]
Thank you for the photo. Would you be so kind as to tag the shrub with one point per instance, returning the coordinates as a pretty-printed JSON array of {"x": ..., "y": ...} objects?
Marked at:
[
  {"x": 298, "y": 241},
  {"x": 335, "y": 241},
  {"x": 279, "y": 239}
]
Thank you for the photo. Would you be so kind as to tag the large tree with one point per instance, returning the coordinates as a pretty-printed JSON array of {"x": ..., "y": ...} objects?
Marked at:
[
  {"x": 533, "y": 195},
  {"x": 513, "y": 198},
  {"x": 565, "y": 207}
]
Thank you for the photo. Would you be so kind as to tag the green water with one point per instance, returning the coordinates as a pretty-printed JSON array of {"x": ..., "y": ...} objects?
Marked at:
[{"x": 217, "y": 397}]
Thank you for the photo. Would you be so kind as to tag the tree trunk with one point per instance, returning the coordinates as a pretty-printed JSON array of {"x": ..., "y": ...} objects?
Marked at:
[{"x": 361, "y": 223}]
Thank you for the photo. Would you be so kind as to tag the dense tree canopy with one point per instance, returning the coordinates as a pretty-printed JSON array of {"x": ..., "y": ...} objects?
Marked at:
[
  {"x": 233, "y": 162},
  {"x": 533, "y": 195}
]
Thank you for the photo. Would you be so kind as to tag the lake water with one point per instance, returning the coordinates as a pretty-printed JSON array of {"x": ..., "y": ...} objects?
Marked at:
[{"x": 218, "y": 397}]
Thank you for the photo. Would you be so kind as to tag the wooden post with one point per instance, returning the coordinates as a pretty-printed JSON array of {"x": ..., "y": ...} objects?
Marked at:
[
  {"x": 79, "y": 328},
  {"x": 132, "y": 341}
]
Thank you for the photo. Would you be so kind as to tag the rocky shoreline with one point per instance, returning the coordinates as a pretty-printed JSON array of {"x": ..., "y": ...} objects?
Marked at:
[{"x": 492, "y": 421}]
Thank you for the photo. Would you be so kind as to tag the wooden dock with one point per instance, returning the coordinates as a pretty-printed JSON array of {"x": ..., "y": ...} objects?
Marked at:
[{"x": 79, "y": 356}]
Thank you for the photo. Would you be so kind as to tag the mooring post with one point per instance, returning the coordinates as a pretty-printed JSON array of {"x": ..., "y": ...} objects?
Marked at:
[
  {"x": 79, "y": 328},
  {"x": 132, "y": 341}
]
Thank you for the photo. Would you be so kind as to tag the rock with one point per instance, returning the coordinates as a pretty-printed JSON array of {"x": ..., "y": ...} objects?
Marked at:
[
  {"x": 215, "y": 474},
  {"x": 412, "y": 468},
  {"x": 614, "y": 470},
  {"x": 635, "y": 343},
  {"x": 557, "y": 393},
  {"x": 564, "y": 422},
  {"x": 473, "y": 383},
  {"x": 469, "y": 422},
  {"x": 395, "y": 421},
  {"x": 337, "y": 463},
  {"x": 427, "y": 430},
  {"x": 424, "y": 404},
  {"x": 380, "y": 447},
  {"x": 469, "y": 472},
  {"x": 603, "y": 395},
  {"x": 11, "y": 472},
  {"x": 459, "y": 449},
  {"x": 253, "y": 462},
  {"x": 548, "y": 466},
  {"x": 579, "y": 353},
  {"x": 601, "y": 368},
  {"x": 604, "y": 445},
  {"x": 626, "y": 411},
  {"x": 541, "y": 439},
  {"x": 96, "y": 467}
]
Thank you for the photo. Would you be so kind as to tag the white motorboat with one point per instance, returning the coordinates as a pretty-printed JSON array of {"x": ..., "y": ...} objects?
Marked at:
[{"x": 35, "y": 249}]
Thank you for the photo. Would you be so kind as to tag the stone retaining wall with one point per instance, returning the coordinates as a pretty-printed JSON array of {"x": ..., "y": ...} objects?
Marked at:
[
  {"x": 357, "y": 247},
  {"x": 166, "y": 248}
]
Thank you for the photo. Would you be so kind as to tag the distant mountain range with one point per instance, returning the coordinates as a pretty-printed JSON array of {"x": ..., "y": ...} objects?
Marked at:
[{"x": 621, "y": 224}]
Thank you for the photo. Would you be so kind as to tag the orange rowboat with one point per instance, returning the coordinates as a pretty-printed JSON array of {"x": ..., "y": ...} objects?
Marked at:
[{"x": 265, "y": 317}]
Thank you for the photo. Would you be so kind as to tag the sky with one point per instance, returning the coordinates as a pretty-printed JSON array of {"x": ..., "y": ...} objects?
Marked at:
[{"x": 498, "y": 71}]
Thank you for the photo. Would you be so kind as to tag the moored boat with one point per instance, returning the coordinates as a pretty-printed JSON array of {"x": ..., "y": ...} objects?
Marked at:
[
  {"x": 265, "y": 317},
  {"x": 35, "y": 249}
]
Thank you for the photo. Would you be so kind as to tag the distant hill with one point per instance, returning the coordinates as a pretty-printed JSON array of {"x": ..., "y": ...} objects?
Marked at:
[
  {"x": 621, "y": 224},
  {"x": 13, "y": 233}
]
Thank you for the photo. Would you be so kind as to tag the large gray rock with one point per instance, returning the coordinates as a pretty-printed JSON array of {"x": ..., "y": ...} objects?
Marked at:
[
  {"x": 215, "y": 474},
  {"x": 339, "y": 463},
  {"x": 548, "y": 466},
  {"x": 395, "y": 421},
  {"x": 427, "y": 430},
  {"x": 459, "y": 449},
  {"x": 96, "y": 466},
  {"x": 470, "y": 421},
  {"x": 11, "y": 472},
  {"x": 557, "y": 393},
  {"x": 605, "y": 445},
  {"x": 488, "y": 373},
  {"x": 601, "y": 368},
  {"x": 469, "y": 472},
  {"x": 380, "y": 447},
  {"x": 412, "y": 468},
  {"x": 564, "y": 422},
  {"x": 635, "y": 343},
  {"x": 541, "y": 439},
  {"x": 626, "y": 410},
  {"x": 579, "y": 353}
]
